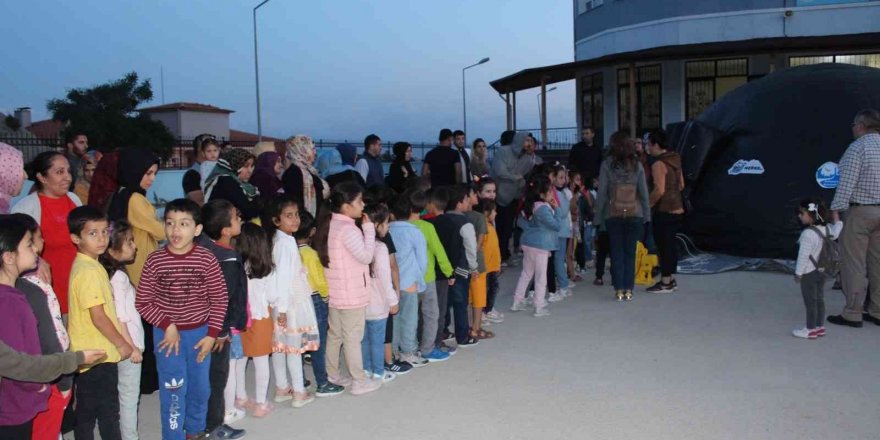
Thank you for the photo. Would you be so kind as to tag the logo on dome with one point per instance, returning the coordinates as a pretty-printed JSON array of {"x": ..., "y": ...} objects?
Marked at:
[
  {"x": 828, "y": 175},
  {"x": 753, "y": 166}
]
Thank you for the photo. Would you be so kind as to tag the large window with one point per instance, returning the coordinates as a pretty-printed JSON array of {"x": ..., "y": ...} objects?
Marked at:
[
  {"x": 591, "y": 104},
  {"x": 648, "y": 98},
  {"x": 708, "y": 81},
  {"x": 864, "y": 59}
]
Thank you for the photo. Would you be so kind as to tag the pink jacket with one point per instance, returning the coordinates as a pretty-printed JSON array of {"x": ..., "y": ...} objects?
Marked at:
[
  {"x": 350, "y": 251},
  {"x": 382, "y": 294}
]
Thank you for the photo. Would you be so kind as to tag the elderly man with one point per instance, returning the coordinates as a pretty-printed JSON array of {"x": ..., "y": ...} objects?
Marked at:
[
  {"x": 513, "y": 160},
  {"x": 859, "y": 195}
]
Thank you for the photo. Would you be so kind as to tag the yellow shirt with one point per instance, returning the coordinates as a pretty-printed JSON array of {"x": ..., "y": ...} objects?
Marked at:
[
  {"x": 492, "y": 250},
  {"x": 90, "y": 287},
  {"x": 312, "y": 263},
  {"x": 147, "y": 231}
]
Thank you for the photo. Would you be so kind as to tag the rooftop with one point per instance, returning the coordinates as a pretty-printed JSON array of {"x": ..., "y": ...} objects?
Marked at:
[{"x": 185, "y": 106}]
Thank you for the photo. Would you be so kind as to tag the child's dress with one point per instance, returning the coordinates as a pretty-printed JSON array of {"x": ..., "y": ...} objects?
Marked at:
[{"x": 292, "y": 294}]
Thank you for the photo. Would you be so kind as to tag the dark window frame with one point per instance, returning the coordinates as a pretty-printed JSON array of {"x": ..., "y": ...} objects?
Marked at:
[
  {"x": 690, "y": 81},
  {"x": 641, "y": 84},
  {"x": 595, "y": 118}
]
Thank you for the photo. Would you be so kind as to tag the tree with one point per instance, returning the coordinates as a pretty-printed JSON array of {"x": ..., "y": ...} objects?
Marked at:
[{"x": 107, "y": 113}]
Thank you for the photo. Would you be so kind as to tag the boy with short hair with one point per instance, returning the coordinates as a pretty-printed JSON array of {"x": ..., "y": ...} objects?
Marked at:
[
  {"x": 412, "y": 251},
  {"x": 478, "y": 283},
  {"x": 93, "y": 324},
  {"x": 182, "y": 293}
]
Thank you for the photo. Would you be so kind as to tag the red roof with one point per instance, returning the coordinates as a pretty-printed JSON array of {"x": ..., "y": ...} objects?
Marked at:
[
  {"x": 47, "y": 129},
  {"x": 188, "y": 106},
  {"x": 245, "y": 137}
]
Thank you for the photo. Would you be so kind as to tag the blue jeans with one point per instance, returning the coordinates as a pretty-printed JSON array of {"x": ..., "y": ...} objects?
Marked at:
[
  {"x": 559, "y": 263},
  {"x": 458, "y": 297},
  {"x": 406, "y": 322},
  {"x": 623, "y": 233},
  {"x": 373, "y": 346},
  {"x": 588, "y": 242},
  {"x": 184, "y": 385},
  {"x": 319, "y": 361}
]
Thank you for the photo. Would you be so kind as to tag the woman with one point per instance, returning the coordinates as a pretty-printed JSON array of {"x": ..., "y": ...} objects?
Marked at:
[
  {"x": 401, "y": 172},
  {"x": 267, "y": 176},
  {"x": 104, "y": 181},
  {"x": 332, "y": 168},
  {"x": 49, "y": 205},
  {"x": 622, "y": 209},
  {"x": 301, "y": 180},
  {"x": 84, "y": 176},
  {"x": 480, "y": 159},
  {"x": 666, "y": 200},
  {"x": 12, "y": 175},
  {"x": 230, "y": 180}
]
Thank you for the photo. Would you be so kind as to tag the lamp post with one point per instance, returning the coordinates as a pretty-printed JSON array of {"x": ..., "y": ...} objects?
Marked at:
[
  {"x": 257, "y": 75},
  {"x": 464, "y": 96},
  {"x": 542, "y": 113}
]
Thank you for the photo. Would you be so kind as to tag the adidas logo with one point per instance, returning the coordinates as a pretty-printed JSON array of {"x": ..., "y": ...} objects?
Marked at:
[{"x": 174, "y": 384}]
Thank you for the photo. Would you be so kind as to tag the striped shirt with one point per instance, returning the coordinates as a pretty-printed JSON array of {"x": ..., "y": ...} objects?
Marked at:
[
  {"x": 859, "y": 174},
  {"x": 185, "y": 290}
]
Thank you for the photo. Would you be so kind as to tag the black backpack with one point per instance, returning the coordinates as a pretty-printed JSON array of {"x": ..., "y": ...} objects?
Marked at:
[{"x": 829, "y": 256}]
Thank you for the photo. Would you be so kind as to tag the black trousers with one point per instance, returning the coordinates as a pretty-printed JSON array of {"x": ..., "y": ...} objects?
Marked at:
[
  {"x": 505, "y": 221},
  {"x": 97, "y": 399},
  {"x": 218, "y": 376},
  {"x": 603, "y": 246},
  {"x": 666, "y": 226},
  {"x": 17, "y": 432}
]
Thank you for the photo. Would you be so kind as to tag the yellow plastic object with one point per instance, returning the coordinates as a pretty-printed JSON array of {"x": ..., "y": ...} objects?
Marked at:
[{"x": 645, "y": 264}]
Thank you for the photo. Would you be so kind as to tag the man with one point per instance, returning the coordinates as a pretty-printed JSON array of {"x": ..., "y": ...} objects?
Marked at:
[
  {"x": 513, "y": 160},
  {"x": 859, "y": 195},
  {"x": 586, "y": 157},
  {"x": 465, "y": 160},
  {"x": 369, "y": 166},
  {"x": 77, "y": 145},
  {"x": 442, "y": 165}
]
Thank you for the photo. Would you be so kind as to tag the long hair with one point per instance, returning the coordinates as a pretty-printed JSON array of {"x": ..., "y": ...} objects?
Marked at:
[
  {"x": 345, "y": 192},
  {"x": 535, "y": 193},
  {"x": 256, "y": 250},
  {"x": 378, "y": 214},
  {"x": 120, "y": 230},
  {"x": 622, "y": 150},
  {"x": 816, "y": 209},
  {"x": 272, "y": 212}
]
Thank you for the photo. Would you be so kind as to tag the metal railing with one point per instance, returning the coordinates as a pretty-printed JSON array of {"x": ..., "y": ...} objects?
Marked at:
[{"x": 560, "y": 138}]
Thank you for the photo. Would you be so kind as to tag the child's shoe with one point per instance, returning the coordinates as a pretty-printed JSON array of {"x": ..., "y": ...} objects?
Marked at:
[
  {"x": 542, "y": 312},
  {"x": 436, "y": 355},
  {"x": 365, "y": 386},
  {"x": 245, "y": 404},
  {"x": 342, "y": 381},
  {"x": 413, "y": 359},
  {"x": 398, "y": 367},
  {"x": 302, "y": 399},
  {"x": 448, "y": 349},
  {"x": 470, "y": 342},
  {"x": 329, "y": 389},
  {"x": 233, "y": 416},
  {"x": 619, "y": 295},
  {"x": 557, "y": 296},
  {"x": 495, "y": 316},
  {"x": 628, "y": 295},
  {"x": 804, "y": 333},
  {"x": 262, "y": 410},
  {"x": 518, "y": 306},
  {"x": 386, "y": 377},
  {"x": 226, "y": 432},
  {"x": 820, "y": 331},
  {"x": 530, "y": 299},
  {"x": 283, "y": 395}
]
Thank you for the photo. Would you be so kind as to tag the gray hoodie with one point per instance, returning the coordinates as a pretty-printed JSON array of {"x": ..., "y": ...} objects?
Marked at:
[{"x": 509, "y": 167}]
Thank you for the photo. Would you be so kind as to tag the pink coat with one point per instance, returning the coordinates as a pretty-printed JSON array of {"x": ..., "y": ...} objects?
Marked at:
[
  {"x": 382, "y": 294},
  {"x": 351, "y": 252}
]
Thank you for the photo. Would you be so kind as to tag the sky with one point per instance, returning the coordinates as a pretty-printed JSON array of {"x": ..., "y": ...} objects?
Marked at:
[{"x": 332, "y": 70}]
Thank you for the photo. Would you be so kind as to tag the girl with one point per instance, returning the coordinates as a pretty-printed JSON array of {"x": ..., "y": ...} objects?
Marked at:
[
  {"x": 812, "y": 215},
  {"x": 559, "y": 178},
  {"x": 121, "y": 251},
  {"x": 540, "y": 221},
  {"x": 573, "y": 258},
  {"x": 256, "y": 254},
  {"x": 346, "y": 252},
  {"x": 383, "y": 301},
  {"x": 289, "y": 295},
  {"x": 487, "y": 192},
  {"x": 230, "y": 180},
  {"x": 19, "y": 401}
]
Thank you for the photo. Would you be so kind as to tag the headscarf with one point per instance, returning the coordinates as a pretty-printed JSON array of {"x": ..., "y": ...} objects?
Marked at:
[
  {"x": 229, "y": 163},
  {"x": 263, "y": 147},
  {"x": 11, "y": 169},
  {"x": 91, "y": 157},
  {"x": 298, "y": 148},
  {"x": 348, "y": 153},
  {"x": 104, "y": 181},
  {"x": 264, "y": 177},
  {"x": 133, "y": 165},
  {"x": 330, "y": 162}
]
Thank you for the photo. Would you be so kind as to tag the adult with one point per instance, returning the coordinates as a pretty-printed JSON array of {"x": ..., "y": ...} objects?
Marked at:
[
  {"x": 263, "y": 147},
  {"x": 667, "y": 207},
  {"x": 49, "y": 205},
  {"x": 230, "y": 180},
  {"x": 76, "y": 144},
  {"x": 585, "y": 156},
  {"x": 622, "y": 209},
  {"x": 458, "y": 137},
  {"x": 334, "y": 170},
  {"x": 370, "y": 167},
  {"x": 301, "y": 180},
  {"x": 480, "y": 159},
  {"x": 205, "y": 151},
  {"x": 12, "y": 175},
  {"x": 859, "y": 195},
  {"x": 513, "y": 160},
  {"x": 84, "y": 175},
  {"x": 401, "y": 172},
  {"x": 442, "y": 165},
  {"x": 104, "y": 181},
  {"x": 267, "y": 176}
]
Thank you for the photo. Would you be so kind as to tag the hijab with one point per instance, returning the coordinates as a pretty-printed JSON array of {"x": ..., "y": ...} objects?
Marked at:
[
  {"x": 264, "y": 178},
  {"x": 348, "y": 152},
  {"x": 11, "y": 169},
  {"x": 298, "y": 150},
  {"x": 133, "y": 165},
  {"x": 229, "y": 163},
  {"x": 104, "y": 181},
  {"x": 330, "y": 162}
]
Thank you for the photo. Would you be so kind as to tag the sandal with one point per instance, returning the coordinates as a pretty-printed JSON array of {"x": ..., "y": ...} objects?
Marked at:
[{"x": 485, "y": 334}]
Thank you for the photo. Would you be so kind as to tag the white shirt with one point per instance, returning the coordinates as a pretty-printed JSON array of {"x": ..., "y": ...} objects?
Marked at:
[
  {"x": 123, "y": 298},
  {"x": 258, "y": 302},
  {"x": 811, "y": 246},
  {"x": 363, "y": 168}
]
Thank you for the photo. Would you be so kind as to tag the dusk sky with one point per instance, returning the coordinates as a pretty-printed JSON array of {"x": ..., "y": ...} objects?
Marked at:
[{"x": 333, "y": 70}]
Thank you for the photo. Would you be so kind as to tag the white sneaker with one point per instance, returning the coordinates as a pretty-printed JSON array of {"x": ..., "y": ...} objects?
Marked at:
[
  {"x": 530, "y": 299},
  {"x": 541, "y": 312},
  {"x": 387, "y": 377},
  {"x": 804, "y": 333},
  {"x": 567, "y": 292},
  {"x": 233, "y": 416},
  {"x": 495, "y": 316},
  {"x": 571, "y": 285},
  {"x": 485, "y": 322},
  {"x": 518, "y": 306},
  {"x": 413, "y": 359},
  {"x": 556, "y": 297}
]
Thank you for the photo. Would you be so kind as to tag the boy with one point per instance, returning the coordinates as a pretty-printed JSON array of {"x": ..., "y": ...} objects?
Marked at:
[
  {"x": 93, "y": 324},
  {"x": 222, "y": 223},
  {"x": 183, "y": 295},
  {"x": 412, "y": 255},
  {"x": 478, "y": 285},
  {"x": 320, "y": 291}
]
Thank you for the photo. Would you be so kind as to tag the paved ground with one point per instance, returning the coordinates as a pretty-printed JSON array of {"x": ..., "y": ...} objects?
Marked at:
[{"x": 713, "y": 361}]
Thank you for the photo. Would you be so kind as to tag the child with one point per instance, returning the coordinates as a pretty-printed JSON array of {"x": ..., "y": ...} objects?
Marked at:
[
  {"x": 559, "y": 178},
  {"x": 412, "y": 255},
  {"x": 491, "y": 315},
  {"x": 573, "y": 258},
  {"x": 346, "y": 252},
  {"x": 492, "y": 253},
  {"x": 222, "y": 223},
  {"x": 183, "y": 295},
  {"x": 812, "y": 215},
  {"x": 541, "y": 219},
  {"x": 437, "y": 260},
  {"x": 437, "y": 198},
  {"x": 383, "y": 300},
  {"x": 121, "y": 251},
  {"x": 318, "y": 285},
  {"x": 291, "y": 299},
  {"x": 256, "y": 255},
  {"x": 93, "y": 323},
  {"x": 477, "y": 292}
]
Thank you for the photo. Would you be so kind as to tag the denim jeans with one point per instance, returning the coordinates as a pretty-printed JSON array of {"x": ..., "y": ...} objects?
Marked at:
[
  {"x": 319, "y": 361},
  {"x": 429, "y": 314},
  {"x": 559, "y": 263},
  {"x": 129, "y": 394},
  {"x": 406, "y": 321},
  {"x": 373, "y": 346},
  {"x": 623, "y": 233},
  {"x": 588, "y": 243},
  {"x": 184, "y": 385},
  {"x": 458, "y": 297},
  {"x": 97, "y": 399}
]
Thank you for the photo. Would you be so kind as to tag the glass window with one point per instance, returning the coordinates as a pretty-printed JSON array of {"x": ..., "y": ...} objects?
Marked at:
[
  {"x": 648, "y": 98},
  {"x": 709, "y": 80},
  {"x": 865, "y": 59},
  {"x": 592, "y": 109}
]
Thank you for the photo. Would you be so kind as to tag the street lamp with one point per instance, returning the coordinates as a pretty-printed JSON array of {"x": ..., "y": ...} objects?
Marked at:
[
  {"x": 463, "y": 96},
  {"x": 257, "y": 74}
]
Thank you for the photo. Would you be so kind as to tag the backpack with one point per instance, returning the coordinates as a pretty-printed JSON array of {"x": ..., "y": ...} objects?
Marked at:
[
  {"x": 624, "y": 201},
  {"x": 829, "y": 256}
]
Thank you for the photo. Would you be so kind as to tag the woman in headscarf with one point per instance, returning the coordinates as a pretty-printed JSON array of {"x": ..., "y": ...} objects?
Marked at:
[
  {"x": 267, "y": 176},
  {"x": 401, "y": 171},
  {"x": 12, "y": 175},
  {"x": 335, "y": 171},
  {"x": 301, "y": 180},
  {"x": 230, "y": 180},
  {"x": 104, "y": 181}
]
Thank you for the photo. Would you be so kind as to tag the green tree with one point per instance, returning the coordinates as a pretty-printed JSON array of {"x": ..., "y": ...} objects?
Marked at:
[{"x": 107, "y": 113}]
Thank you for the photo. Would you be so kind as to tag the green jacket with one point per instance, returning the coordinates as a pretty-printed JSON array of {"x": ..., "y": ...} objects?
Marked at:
[{"x": 436, "y": 253}]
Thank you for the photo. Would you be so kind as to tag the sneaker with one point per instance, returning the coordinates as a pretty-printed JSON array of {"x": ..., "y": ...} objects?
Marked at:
[
  {"x": 598, "y": 281},
  {"x": 661, "y": 288},
  {"x": 568, "y": 292},
  {"x": 674, "y": 284},
  {"x": 619, "y": 295},
  {"x": 541, "y": 312},
  {"x": 485, "y": 322},
  {"x": 557, "y": 296},
  {"x": 283, "y": 395},
  {"x": 448, "y": 336},
  {"x": 199, "y": 436},
  {"x": 365, "y": 386},
  {"x": 448, "y": 349},
  {"x": 329, "y": 390},
  {"x": 436, "y": 355},
  {"x": 571, "y": 285},
  {"x": 307, "y": 358},
  {"x": 820, "y": 331},
  {"x": 628, "y": 295},
  {"x": 414, "y": 359},
  {"x": 529, "y": 301},
  {"x": 302, "y": 399},
  {"x": 227, "y": 432},
  {"x": 495, "y": 316},
  {"x": 386, "y": 377},
  {"x": 518, "y": 306},
  {"x": 469, "y": 343},
  {"x": 804, "y": 333},
  {"x": 341, "y": 381},
  {"x": 398, "y": 367},
  {"x": 233, "y": 416},
  {"x": 245, "y": 404},
  {"x": 262, "y": 410}
]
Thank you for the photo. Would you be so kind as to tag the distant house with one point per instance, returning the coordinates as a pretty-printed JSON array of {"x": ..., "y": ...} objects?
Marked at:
[
  {"x": 186, "y": 120},
  {"x": 21, "y": 134}
]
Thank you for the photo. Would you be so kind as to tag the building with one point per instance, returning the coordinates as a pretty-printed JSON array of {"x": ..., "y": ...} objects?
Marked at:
[
  {"x": 186, "y": 120},
  {"x": 643, "y": 64}
]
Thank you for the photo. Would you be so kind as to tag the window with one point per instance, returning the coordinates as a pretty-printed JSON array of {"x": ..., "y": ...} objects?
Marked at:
[
  {"x": 592, "y": 109},
  {"x": 865, "y": 59},
  {"x": 708, "y": 81},
  {"x": 648, "y": 98},
  {"x": 588, "y": 5}
]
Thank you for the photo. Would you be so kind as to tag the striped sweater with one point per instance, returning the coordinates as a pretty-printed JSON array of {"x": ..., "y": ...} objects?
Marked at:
[{"x": 185, "y": 290}]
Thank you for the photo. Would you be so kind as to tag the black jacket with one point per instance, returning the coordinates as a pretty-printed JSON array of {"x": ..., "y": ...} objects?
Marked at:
[
  {"x": 227, "y": 188},
  {"x": 236, "y": 283},
  {"x": 586, "y": 159}
]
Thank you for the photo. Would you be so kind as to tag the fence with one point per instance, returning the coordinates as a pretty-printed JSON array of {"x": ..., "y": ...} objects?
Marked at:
[{"x": 561, "y": 138}]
